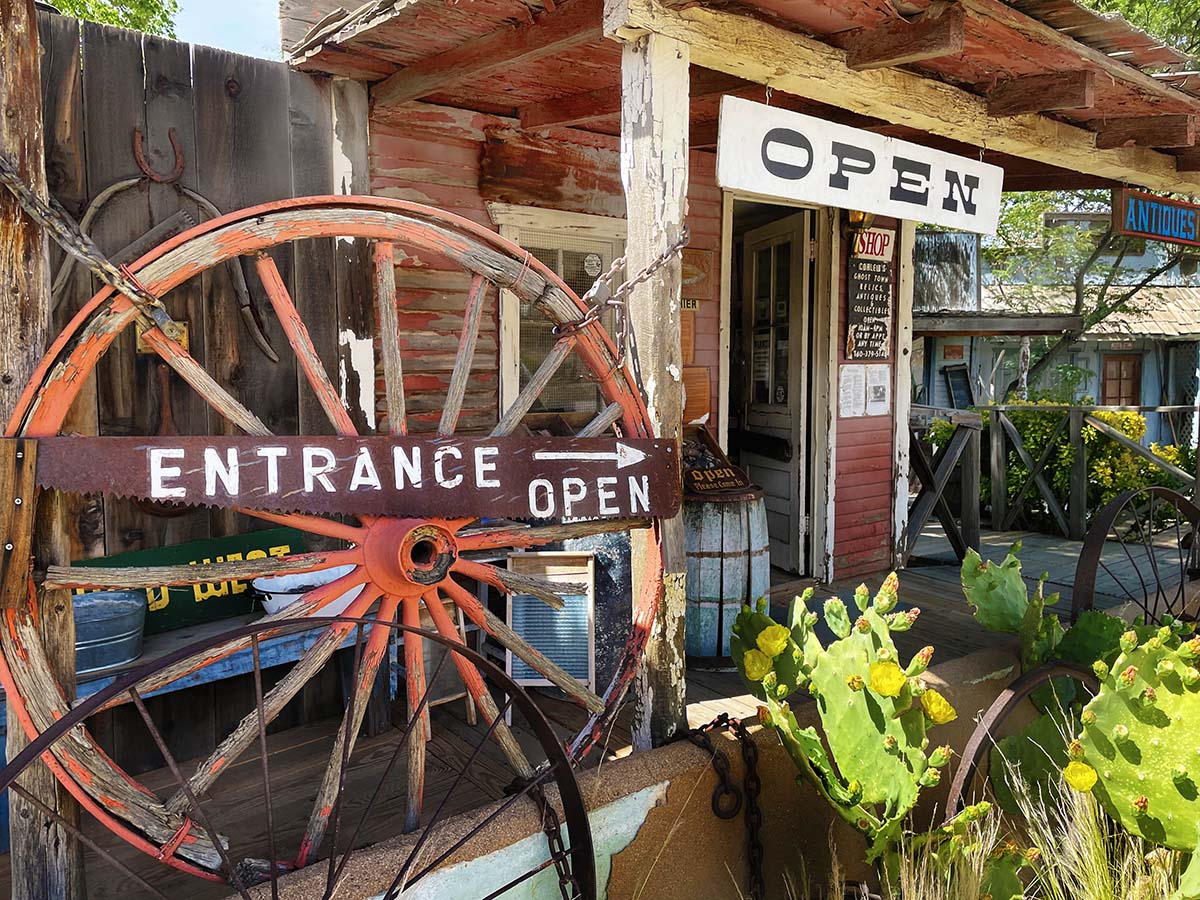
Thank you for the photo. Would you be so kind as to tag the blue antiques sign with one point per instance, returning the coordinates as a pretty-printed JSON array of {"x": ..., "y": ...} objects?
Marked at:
[{"x": 1158, "y": 218}]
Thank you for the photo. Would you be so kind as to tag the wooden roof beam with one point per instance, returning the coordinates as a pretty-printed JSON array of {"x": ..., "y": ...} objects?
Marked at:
[
  {"x": 1043, "y": 93},
  {"x": 798, "y": 64},
  {"x": 939, "y": 31},
  {"x": 1149, "y": 131},
  {"x": 604, "y": 103},
  {"x": 571, "y": 24}
]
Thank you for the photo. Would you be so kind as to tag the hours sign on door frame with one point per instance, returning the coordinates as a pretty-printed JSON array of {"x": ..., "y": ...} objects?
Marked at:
[{"x": 778, "y": 153}]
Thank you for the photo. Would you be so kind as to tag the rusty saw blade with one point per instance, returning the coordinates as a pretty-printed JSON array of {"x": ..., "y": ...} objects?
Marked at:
[{"x": 511, "y": 477}]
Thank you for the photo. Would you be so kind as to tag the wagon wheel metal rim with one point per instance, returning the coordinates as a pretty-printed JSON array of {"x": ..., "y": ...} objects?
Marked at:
[
  {"x": 492, "y": 261},
  {"x": 556, "y": 770},
  {"x": 1161, "y": 562}
]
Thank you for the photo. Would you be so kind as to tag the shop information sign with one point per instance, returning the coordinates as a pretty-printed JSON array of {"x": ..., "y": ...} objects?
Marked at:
[{"x": 777, "y": 153}]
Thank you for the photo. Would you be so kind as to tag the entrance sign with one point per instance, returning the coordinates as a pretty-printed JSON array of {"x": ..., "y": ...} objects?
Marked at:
[
  {"x": 514, "y": 477},
  {"x": 787, "y": 155},
  {"x": 1158, "y": 218}
]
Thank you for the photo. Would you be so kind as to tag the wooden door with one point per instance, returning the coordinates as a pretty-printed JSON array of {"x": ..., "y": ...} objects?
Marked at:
[
  {"x": 1121, "y": 380},
  {"x": 776, "y": 271}
]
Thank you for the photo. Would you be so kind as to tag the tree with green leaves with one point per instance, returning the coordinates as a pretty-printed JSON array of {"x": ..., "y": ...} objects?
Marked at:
[
  {"x": 152, "y": 16},
  {"x": 1175, "y": 21}
]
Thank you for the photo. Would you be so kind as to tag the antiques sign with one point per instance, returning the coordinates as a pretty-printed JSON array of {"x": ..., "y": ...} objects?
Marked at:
[
  {"x": 775, "y": 152},
  {"x": 1157, "y": 218},
  {"x": 869, "y": 296},
  {"x": 515, "y": 477}
]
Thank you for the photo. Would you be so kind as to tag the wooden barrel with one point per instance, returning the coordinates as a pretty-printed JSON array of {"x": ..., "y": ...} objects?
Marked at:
[{"x": 728, "y": 565}]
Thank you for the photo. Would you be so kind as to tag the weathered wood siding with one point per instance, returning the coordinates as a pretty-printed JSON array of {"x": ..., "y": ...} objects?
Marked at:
[
  {"x": 460, "y": 160},
  {"x": 864, "y": 480}
]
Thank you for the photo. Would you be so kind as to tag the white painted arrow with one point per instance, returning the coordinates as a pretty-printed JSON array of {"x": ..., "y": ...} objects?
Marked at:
[{"x": 623, "y": 456}]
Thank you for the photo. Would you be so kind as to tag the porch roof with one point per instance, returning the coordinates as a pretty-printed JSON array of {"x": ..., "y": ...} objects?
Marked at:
[
  {"x": 1118, "y": 98},
  {"x": 1164, "y": 312}
]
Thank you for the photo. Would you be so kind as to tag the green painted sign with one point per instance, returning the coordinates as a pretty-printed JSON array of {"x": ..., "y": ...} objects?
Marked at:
[{"x": 176, "y": 607}]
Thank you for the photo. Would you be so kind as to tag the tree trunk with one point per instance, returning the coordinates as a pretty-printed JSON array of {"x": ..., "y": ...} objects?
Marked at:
[{"x": 46, "y": 862}]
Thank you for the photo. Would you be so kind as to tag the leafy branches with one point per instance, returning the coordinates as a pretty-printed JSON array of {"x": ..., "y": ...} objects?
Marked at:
[{"x": 153, "y": 16}]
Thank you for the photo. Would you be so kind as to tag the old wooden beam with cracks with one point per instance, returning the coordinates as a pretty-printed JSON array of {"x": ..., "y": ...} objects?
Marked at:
[
  {"x": 938, "y": 31},
  {"x": 46, "y": 861},
  {"x": 806, "y": 67},
  {"x": 1043, "y": 93},
  {"x": 1152, "y": 131},
  {"x": 654, "y": 157},
  {"x": 552, "y": 33}
]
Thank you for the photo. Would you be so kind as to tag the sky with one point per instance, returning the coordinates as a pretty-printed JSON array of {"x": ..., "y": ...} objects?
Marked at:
[{"x": 244, "y": 26}]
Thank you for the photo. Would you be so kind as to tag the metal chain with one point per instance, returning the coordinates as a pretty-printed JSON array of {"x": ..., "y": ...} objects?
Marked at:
[
  {"x": 54, "y": 219},
  {"x": 728, "y": 799},
  {"x": 568, "y": 887}
]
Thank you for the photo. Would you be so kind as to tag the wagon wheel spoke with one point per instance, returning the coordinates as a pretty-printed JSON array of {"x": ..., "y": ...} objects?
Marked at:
[
  {"x": 541, "y": 378},
  {"x": 414, "y": 678},
  {"x": 330, "y": 528},
  {"x": 522, "y": 649},
  {"x": 204, "y": 384},
  {"x": 604, "y": 420},
  {"x": 302, "y": 345},
  {"x": 522, "y": 537},
  {"x": 476, "y": 688},
  {"x": 310, "y": 603},
  {"x": 549, "y": 592},
  {"x": 466, "y": 355},
  {"x": 246, "y": 732},
  {"x": 384, "y": 260},
  {"x": 366, "y": 668},
  {"x": 127, "y": 577}
]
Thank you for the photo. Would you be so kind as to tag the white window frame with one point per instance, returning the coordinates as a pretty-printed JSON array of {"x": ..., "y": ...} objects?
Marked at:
[{"x": 516, "y": 223}]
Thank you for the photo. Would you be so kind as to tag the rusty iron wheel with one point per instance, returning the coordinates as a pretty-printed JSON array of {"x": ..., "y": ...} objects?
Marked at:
[{"x": 428, "y": 575}]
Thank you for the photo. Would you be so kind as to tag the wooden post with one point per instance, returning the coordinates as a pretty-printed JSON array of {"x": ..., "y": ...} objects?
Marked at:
[
  {"x": 654, "y": 170},
  {"x": 971, "y": 464},
  {"x": 1077, "y": 512},
  {"x": 1023, "y": 370},
  {"x": 999, "y": 471},
  {"x": 47, "y": 863}
]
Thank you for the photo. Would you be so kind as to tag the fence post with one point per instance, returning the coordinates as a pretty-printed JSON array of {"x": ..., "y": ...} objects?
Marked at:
[
  {"x": 1077, "y": 512},
  {"x": 999, "y": 471},
  {"x": 971, "y": 462}
]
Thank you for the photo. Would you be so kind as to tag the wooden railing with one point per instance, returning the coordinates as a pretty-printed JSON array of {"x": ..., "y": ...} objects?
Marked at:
[
  {"x": 1070, "y": 517},
  {"x": 962, "y": 451}
]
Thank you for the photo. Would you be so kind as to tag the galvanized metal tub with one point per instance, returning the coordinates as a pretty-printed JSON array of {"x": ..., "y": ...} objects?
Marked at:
[
  {"x": 108, "y": 629},
  {"x": 728, "y": 565}
]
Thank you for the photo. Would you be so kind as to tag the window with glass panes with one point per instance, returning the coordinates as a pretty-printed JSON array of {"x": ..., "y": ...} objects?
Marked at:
[
  {"x": 578, "y": 261},
  {"x": 771, "y": 311}
]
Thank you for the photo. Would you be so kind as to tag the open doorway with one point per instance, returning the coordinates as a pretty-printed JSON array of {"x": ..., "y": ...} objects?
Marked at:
[{"x": 774, "y": 321}]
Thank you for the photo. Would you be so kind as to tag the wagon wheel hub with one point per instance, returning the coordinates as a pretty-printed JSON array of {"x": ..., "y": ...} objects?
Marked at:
[{"x": 405, "y": 556}]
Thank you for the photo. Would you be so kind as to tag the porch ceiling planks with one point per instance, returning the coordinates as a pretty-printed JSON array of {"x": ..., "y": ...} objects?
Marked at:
[{"x": 801, "y": 65}]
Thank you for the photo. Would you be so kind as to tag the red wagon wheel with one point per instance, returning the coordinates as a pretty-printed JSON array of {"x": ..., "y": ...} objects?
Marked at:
[{"x": 402, "y": 564}]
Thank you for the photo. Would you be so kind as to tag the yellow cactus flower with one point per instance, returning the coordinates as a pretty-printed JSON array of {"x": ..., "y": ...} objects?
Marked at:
[
  {"x": 887, "y": 678},
  {"x": 756, "y": 665},
  {"x": 937, "y": 708},
  {"x": 1080, "y": 776},
  {"x": 773, "y": 640}
]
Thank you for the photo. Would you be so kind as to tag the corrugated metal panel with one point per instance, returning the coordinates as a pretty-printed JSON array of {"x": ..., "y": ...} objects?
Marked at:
[{"x": 564, "y": 636}]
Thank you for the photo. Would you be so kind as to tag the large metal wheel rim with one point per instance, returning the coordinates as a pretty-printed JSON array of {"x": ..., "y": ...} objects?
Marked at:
[{"x": 48, "y": 398}]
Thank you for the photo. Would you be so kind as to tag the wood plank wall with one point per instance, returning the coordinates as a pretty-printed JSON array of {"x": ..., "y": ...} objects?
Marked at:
[
  {"x": 250, "y": 131},
  {"x": 865, "y": 479},
  {"x": 459, "y": 160}
]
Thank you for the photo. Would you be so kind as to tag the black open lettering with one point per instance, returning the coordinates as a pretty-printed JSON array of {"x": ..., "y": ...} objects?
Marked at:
[
  {"x": 852, "y": 160},
  {"x": 912, "y": 181},
  {"x": 788, "y": 138},
  {"x": 966, "y": 194}
]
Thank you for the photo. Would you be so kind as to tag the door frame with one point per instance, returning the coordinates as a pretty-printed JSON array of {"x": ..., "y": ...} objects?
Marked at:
[{"x": 822, "y": 441}]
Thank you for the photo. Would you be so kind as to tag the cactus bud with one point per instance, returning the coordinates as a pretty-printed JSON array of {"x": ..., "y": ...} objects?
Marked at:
[
  {"x": 1190, "y": 676},
  {"x": 1181, "y": 775},
  {"x": 855, "y": 682},
  {"x": 884, "y": 654},
  {"x": 1129, "y": 641},
  {"x": 1165, "y": 633},
  {"x": 862, "y": 597},
  {"x": 1155, "y": 643},
  {"x": 862, "y": 626},
  {"x": 1088, "y": 717},
  {"x": 1127, "y": 677},
  {"x": 1100, "y": 667},
  {"x": 746, "y": 610},
  {"x": 762, "y": 603},
  {"x": 855, "y": 790},
  {"x": 1164, "y": 667},
  {"x": 890, "y": 743},
  {"x": 1033, "y": 856},
  {"x": 836, "y": 617},
  {"x": 940, "y": 756},
  {"x": 1075, "y": 750},
  {"x": 903, "y": 621},
  {"x": 1148, "y": 697},
  {"x": 930, "y": 778},
  {"x": 1120, "y": 734},
  {"x": 806, "y": 596},
  {"x": 781, "y": 691},
  {"x": 1141, "y": 804},
  {"x": 917, "y": 686},
  {"x": 885, "y": 600},
  {"x": 1190, "y": 650},
  {"x": 920, "y": 662},
  {"x": 810, "y": 619},
  {"x": 764, "y": 715}
]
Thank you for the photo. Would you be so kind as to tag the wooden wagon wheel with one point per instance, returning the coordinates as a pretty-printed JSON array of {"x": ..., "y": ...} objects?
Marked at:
[
  {"x": 1143, "y": 544},
  {"x": 403, "y": 563}
]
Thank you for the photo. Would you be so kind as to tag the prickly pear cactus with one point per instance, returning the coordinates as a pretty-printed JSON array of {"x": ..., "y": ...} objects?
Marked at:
[
  {"x": 1139, "y": 747},
  {"x": 874, "y": 709}
]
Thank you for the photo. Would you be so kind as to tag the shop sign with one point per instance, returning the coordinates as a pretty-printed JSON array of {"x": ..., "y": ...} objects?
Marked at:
[
  {"x": 781, "y": 154},
  {"x": 1158, "y": 218}
]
